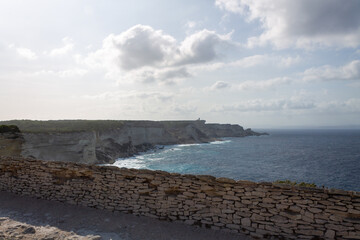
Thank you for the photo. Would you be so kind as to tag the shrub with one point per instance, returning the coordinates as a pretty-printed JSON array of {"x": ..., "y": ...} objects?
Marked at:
[
  {"x": 9, "y": 128},
  {"x": 302, "y": 184}
]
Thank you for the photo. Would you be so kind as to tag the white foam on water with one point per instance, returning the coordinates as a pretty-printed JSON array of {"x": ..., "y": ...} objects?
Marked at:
[
  {"x": 142, "y": 161},
  {"x": 220, "y": 142},
  {"x": 171, "y": 149},
  {"x": 157, "y": 159},
  {"x": 189, "y": 144},
  {"x": 175, "y": 149},
  {"x": 130, "y": 163}
]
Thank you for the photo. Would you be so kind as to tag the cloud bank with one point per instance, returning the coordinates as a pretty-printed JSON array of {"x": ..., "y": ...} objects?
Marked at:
[
  {"x": 302, "y": 24},
  {"x": 350, "y": 71},
  {"x": 296, "y": 104},
  {"x": 264, "y": 105}
]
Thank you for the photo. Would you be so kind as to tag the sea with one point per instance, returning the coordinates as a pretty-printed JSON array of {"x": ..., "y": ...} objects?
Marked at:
[{"x": 329, "y": 158}]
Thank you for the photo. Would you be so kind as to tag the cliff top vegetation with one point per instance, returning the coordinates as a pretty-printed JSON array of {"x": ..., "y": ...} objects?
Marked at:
[
  {"x": 302, "y": 184},
  {"x": 52, "y": 126},
  {"x": 35, "y": 126}
]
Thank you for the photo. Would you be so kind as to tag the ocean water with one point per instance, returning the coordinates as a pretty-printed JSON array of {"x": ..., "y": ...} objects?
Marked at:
[{"x": 329, "y": 158}]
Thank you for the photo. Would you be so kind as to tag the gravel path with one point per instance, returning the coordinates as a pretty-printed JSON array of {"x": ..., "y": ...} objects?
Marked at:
[{"x": 30, "y": 218}]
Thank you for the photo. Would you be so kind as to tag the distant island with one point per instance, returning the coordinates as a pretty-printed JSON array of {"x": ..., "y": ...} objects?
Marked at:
[{"x": 103, "y": 141}]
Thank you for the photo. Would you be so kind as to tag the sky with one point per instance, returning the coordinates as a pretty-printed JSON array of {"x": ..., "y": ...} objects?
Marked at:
[{"x": 260, "y": 64}]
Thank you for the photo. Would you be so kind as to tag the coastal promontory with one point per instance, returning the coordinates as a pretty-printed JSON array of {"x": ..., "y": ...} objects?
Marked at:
[{"x": 103, "y": 141}]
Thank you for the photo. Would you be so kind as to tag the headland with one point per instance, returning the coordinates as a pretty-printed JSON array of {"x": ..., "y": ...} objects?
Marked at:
[{"x": 103, "y": 141}]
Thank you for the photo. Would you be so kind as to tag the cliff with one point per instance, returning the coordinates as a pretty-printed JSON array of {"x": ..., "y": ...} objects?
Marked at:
[{"x": 94, "y": 142}]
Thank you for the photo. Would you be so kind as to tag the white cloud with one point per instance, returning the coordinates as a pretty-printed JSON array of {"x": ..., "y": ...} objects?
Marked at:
[
  {"x": 348, "y": 106},
  {"x": 26, "y": 53},
  {"x": 256, "y": 60},
  {"x": 353, "y": 105},
  {"x": 132, "y": 95},
  {"x": 296, "y": 104},
  {"x": 350, "y": 71},
  {"x": 250, "y": 85},
  {"x": 250, "y": 61},
  {"x": 153, "y": 104},
  {"x": 201, "y": 47},
  {"x": 184, "y": 109},
  {"x": 150, "y": 75},
  {"x": 264, "y": 84},
  {"x": 234, "y": 6},
  {"x": 147, "y": 55},
  {"x": 207, "y": 67},
  {"x": 289, "y": 61},
  {"x": 76, "y": 72},
  {"x": 303, "y": 24},
  {"x": 68, "y": 46},
  {"x": 141, "y": 46},
  {"x": 220, "y": 85},
  {"x": 261, "y": 105}
]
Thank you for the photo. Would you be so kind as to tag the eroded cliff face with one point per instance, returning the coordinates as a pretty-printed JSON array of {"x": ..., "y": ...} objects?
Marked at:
[
  {"x": 105, "y": 146},
  {"x": 11, "y": 144},
  {"x": 69, "y": 147}
]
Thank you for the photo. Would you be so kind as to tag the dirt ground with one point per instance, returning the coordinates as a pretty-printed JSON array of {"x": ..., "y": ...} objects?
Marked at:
[{"x": 30, "y": 218}]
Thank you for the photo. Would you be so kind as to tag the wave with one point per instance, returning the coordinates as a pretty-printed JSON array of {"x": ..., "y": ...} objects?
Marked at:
[
  {"x": 220, "y": 142},
  {"x": 189, "y": 144},
  {"x": 130, "y": 163}
]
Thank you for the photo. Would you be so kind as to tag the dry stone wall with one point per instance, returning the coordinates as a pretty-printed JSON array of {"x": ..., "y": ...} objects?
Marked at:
[{"x": 259, "y": 209}]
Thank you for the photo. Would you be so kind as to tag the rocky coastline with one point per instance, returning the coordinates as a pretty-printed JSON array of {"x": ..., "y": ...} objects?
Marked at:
[{"x": 114, "y": 139}]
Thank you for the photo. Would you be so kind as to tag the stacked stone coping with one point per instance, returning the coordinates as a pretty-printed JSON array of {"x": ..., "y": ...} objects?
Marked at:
[{"x": 262, "y": 210}]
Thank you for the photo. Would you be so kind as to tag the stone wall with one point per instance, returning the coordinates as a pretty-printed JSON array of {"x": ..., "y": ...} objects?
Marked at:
[{"x": 258, "y": 209}]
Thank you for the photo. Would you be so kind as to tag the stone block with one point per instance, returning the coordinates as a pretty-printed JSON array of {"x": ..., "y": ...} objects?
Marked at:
[
  {"x": 337, "y": 227},
  {"x": 246, "y": 222},
  {"x": 310, "y": 232},
  {"x": 233, "y": 226},
  {"x": 257, "y": 217},
  {"x": 330, "y": 234},
  {"x": 258, "y": 194},
  {"x": 227, "y": 211},
  {"x": 279, "y": 219},
  {"x": 231, "y": 197},
  {"x": 315, "y": 210}
]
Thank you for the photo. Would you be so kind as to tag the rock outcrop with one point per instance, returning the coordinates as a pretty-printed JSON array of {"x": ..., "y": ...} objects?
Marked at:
[{"x": 105, "y": 145}]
